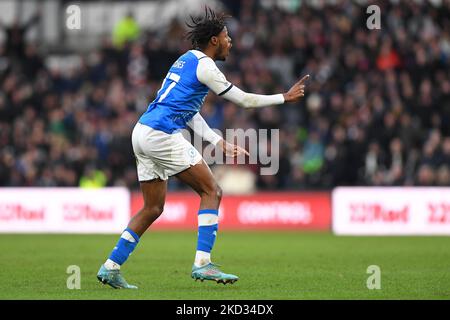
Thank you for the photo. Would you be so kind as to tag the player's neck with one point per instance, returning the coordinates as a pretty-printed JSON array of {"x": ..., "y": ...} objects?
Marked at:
[{"x": 209, "y": 52}]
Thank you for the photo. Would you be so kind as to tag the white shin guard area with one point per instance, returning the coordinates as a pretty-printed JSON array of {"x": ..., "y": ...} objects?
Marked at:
[
  {"x": 127, "y": 236},
  {"x": 202, "y": 258},
  {"x": 207, "y": 219}
]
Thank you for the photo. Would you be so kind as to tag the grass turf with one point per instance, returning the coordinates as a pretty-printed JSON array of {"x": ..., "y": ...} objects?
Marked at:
[{"x": 271, "y": 265}]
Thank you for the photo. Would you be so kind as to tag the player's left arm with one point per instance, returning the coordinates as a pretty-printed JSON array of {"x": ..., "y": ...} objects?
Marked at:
[{"x": 200, "y": 127}]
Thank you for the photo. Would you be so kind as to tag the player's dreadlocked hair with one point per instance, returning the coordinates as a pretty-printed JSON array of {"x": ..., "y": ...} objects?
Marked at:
[{"x": 203, "y": 28}]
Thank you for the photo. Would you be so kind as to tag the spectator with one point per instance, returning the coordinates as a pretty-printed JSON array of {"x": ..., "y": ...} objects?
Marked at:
[
  {"x": 93, "y": 178},
  {"x": 443, "y": 176},
  {"x": 15, "y": 36},
  {"x": 425, "y": 175},
  {"x": 125, "y": 31}
]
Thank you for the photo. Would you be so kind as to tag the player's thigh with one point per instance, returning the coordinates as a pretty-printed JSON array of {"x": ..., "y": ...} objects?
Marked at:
[
  {"x": 176, "y": 155},
  {"x": 200, "y": 178},
  {"x": 146, "y": 145},
  {"x": 154, "y": 193}
]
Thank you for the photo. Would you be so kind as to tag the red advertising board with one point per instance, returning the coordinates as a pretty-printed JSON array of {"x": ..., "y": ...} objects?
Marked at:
[
  {"x": 391, "y": 211},
  {"x": 291, "y": 210},
  {"x": 64, "y": 210}
]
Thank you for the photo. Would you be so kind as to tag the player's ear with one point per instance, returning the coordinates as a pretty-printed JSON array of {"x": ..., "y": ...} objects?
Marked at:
[{"x": 214, "y": 40}]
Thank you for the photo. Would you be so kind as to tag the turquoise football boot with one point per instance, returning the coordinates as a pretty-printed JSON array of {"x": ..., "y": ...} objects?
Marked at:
[
  {"x": 113, "y": 278},
  {"x": 212, "y": 272}
]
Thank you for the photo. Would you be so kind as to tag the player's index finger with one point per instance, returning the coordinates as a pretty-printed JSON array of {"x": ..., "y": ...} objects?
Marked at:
[
  {"x": 242, "y": 150},
  {"x": 304, "y": 79}
]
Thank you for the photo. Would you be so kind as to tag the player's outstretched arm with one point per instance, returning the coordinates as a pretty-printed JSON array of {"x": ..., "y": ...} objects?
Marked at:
[
  {"x": 297, "y": 91},
  {"x": 251, "y": 100},
  {"x": 211, "y": 76}
]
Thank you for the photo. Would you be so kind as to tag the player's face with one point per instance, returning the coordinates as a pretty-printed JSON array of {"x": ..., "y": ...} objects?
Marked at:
[{"x": 223, "y": 50}]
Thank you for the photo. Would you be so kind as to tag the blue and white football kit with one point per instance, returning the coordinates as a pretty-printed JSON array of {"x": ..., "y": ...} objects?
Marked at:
[
  {"x": 161, "y": 151},
  {"x": 180, "y": 97},
  {"x": 160, "y": 148}
]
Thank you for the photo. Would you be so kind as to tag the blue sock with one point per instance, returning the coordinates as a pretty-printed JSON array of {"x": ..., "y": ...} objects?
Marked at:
[
  {"x": 124, "y": 246},
  {"x": 207, "y": 229}
]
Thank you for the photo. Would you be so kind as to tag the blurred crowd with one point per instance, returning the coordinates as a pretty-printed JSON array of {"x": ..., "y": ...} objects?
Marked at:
[{"x": 376, "y": 112}]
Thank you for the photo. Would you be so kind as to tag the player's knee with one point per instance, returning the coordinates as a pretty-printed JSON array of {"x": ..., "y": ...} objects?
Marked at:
[
  {"x": 153, "y": 212},
  {"x": 214, "y": 192},
  {"x": 218, "y": 191}
]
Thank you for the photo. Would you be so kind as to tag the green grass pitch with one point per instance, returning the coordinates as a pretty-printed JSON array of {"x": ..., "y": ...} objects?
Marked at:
[{"x": 271, "y": 265}]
